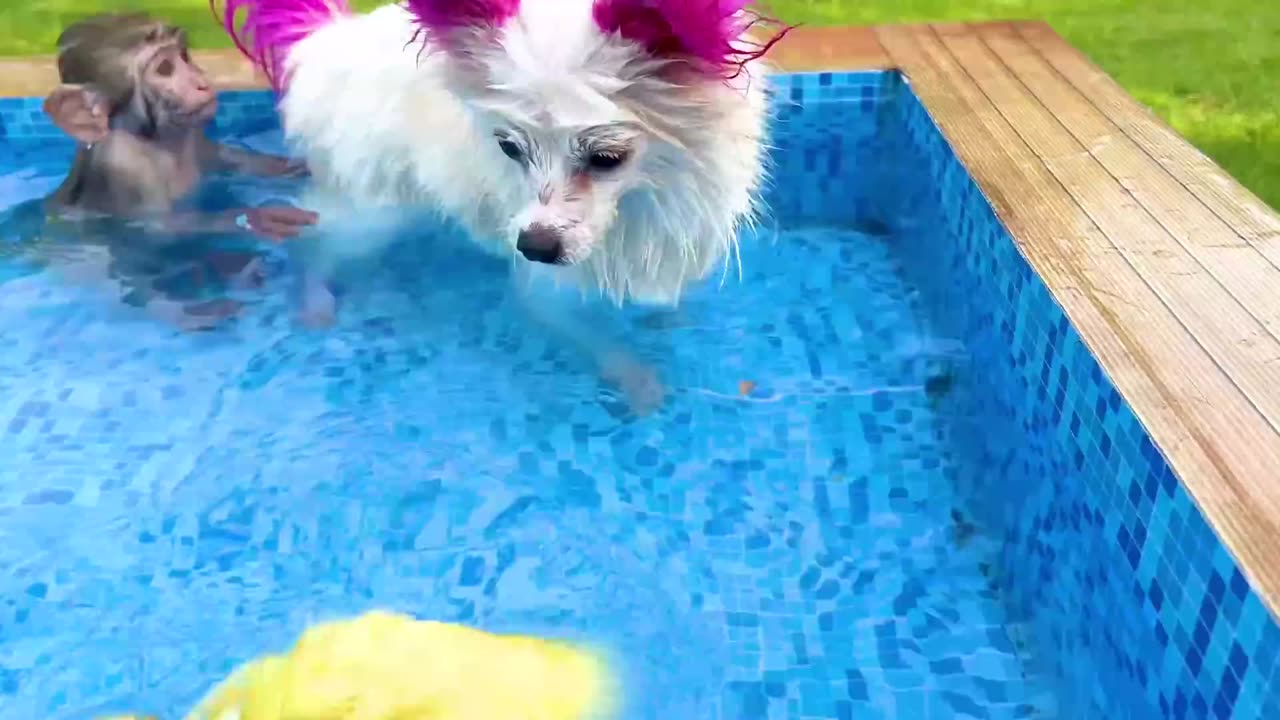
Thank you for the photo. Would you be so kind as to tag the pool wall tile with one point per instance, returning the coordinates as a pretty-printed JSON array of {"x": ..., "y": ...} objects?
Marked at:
[
  {"x": 825, "y": 138},
  {"x": 240, "y": 112},
  {"x": 1126, "y": 591}
]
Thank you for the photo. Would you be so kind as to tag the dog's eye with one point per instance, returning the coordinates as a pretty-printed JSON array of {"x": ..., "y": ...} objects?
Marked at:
[
  {"x": 605, "y": 161},
  {"x": 510, "y": 149}
]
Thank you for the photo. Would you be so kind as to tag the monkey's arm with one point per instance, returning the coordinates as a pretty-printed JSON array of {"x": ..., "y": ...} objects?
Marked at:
[
  {"x": 136, "y": 190},
  {"x": 276, "y": 223},
  {"x": 226, "y": 157},
  {"x": 188, "y": 223},
  {"x": 119, "y": 178}
]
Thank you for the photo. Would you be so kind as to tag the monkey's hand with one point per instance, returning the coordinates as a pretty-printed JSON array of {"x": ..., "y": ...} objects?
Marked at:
[
  {"x": 78, "y": 112},
  {"x": 280, "y": 222}
]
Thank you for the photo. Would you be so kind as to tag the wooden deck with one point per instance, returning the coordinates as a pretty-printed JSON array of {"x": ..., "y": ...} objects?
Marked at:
[
  {"x": 1168, "y": 267},
  {"x": 35, "y": 76}
]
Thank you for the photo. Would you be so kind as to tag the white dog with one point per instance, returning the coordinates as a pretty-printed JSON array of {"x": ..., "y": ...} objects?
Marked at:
[{"x": 616, "y": 145}]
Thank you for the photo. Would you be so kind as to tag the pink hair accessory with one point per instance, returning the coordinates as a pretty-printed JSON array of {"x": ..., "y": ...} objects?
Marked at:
[
  {"x": 707, "y": 32},
  {"x": 272, "y": 27},
  {"x": 439, "y": 18}
]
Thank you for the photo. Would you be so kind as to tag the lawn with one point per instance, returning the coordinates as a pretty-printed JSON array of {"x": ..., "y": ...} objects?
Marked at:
[{"x": 1212, "y": 70}]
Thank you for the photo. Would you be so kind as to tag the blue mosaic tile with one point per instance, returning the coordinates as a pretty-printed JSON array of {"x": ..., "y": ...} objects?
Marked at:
[
  {"x": 240, "y": 112},
  {"x": 930, "y": 502},
  {"x": 831, "y": 151},
  {"x": 1126, "y": 590}
]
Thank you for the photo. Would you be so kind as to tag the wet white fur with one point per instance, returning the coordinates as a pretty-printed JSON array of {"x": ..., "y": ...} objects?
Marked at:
[{"x": 384, "y": 123}]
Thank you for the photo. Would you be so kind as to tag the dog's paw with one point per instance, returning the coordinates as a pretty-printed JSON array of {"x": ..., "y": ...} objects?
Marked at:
[
  {"x": 315, "y": 317},
  {"x": 638, "y": 382},
  {"x": 319, "y": 307}
]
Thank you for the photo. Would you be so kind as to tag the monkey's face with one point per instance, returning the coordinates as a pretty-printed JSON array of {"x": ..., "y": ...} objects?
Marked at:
[{"x": 176, "y": 90}]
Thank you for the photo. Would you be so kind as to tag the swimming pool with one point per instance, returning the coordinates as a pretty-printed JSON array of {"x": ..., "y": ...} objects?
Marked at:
[{"x": 891, "y": 481}]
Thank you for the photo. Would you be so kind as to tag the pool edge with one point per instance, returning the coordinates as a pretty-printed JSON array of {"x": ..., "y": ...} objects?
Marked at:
[{"x": 804, "y": 49}]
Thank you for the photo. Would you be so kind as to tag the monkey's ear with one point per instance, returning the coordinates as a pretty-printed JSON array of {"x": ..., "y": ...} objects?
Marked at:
[{"x": 78, "y": 112}]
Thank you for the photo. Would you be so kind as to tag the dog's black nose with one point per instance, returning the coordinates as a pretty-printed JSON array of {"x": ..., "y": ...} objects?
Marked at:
[{"x": 540, "y": 243}]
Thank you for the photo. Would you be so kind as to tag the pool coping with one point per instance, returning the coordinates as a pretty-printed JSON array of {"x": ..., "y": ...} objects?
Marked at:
[{"x": 1163, "y": 262}]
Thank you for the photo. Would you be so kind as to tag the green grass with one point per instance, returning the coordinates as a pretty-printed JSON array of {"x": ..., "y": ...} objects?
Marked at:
[{"x": 1212, "y": 70}]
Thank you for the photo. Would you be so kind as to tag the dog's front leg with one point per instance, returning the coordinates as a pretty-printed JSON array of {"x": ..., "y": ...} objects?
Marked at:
[
  {"x": 564, "y": 313},
  {"x": 343, "y": 234},
  {"x": 316, "y": 306}
]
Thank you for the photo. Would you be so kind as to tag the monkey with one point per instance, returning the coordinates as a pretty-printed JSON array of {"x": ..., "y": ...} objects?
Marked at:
[{"x": 137, "y": 105}]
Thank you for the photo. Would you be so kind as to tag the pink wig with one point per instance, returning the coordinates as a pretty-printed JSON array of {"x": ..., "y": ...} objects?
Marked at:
[
  {"x": 272, "y": 27},
  {"x": 707, "y": 33},
  {"x": 440, "y": 18}
]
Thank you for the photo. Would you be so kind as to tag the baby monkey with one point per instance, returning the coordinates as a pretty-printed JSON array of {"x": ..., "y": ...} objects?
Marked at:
[{"x": 137, "y": 105}]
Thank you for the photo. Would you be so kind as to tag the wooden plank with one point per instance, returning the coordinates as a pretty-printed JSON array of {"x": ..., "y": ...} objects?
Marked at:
[
  {"x": 1193, "y": 412},
  {"x": 1233, "y": 261},
  {"x": 1238, "y": 343},
  {"x": 1248, "y": 215},
  {"x": 35, "y": 76},
  {"x": 813, "y": 49}
]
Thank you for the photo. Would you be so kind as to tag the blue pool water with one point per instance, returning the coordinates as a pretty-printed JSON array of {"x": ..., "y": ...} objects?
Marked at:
[
  {"x": 176, "y": 504},
  {"x": 931, "y": 503}
]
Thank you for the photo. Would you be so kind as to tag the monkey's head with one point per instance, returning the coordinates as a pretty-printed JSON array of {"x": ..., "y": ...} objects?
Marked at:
[{"x": 141, "y": 68}]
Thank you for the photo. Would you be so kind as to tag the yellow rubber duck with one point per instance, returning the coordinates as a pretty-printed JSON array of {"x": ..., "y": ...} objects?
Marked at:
[{"x": 386, "y": 666}]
